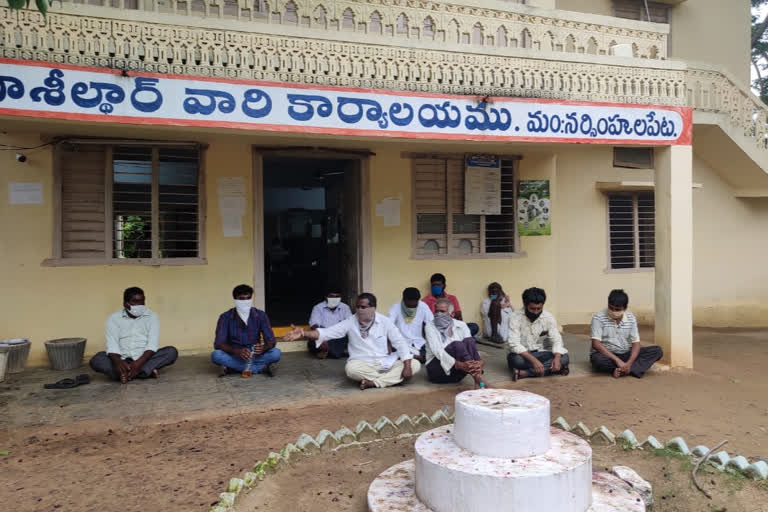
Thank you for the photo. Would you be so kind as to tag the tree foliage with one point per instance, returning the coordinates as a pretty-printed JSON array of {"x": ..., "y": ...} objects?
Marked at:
[
  {"x": 42, "y": 5},
  {"x": 760, "y": 47}
]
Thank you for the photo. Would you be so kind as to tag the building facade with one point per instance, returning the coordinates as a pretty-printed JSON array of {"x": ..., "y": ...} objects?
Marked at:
[{"x": 189, "y": 146}]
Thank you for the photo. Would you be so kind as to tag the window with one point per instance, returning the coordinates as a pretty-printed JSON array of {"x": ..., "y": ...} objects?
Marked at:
[
  {"x": 129, "y": 203},
  {"x": 633, "y": 158},
  {"x": 631, "y": 230},
  {"x": 635, "y": 10},
  {"x": 442, "y": 229}
]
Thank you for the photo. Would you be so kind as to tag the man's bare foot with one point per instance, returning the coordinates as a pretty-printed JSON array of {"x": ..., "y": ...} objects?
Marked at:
[
  {"x": 246, "y": 374},
  {"x": 322, "y": 354},
  {"x": 365, "y": 384},
  {"x": 123, "y": 378},
  {"x": 155, "y": 373},
  {"x": 617, "y": 373}
]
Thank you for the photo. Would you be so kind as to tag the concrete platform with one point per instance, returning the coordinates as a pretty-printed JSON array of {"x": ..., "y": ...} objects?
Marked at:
[{"x": 192, "y": 386}]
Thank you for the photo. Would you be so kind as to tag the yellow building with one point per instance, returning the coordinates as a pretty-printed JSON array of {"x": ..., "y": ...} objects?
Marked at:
[{"x": 189, "y": 146}]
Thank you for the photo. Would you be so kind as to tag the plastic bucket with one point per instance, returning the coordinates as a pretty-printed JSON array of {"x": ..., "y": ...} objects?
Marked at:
[
  {"x": 3, "y": 361},
  {"x": 65, "y": 353},
  {"x": 18, "y": 353}
]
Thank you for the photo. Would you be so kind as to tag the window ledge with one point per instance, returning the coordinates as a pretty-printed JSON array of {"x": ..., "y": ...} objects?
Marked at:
[
  {"x": 636, "y": 270},
  {"x": 146, "y": 262},
  {"x": 491, "y": 256},
  {"x": 630, "y": 186}
]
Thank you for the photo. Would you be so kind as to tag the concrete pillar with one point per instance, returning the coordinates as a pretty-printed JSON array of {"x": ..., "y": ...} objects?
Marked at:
[{"x": 674, "y": 254}]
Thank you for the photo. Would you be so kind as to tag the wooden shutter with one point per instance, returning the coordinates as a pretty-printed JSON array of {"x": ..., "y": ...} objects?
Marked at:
[
  {"x": 430, "y": 200},
  {"x": 82, "y": 175},
  {"x": 633, "y": 158},
  {"x": 500, "y": 229},
  {"x": 464, "y": 239},
  {"x": 635, "y": 10}
]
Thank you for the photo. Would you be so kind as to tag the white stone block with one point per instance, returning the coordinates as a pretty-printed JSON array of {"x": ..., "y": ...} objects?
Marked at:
[
  {"x": 502, "y": 423},
  {"x": 700, "y": 450},
  {"x": 452, "y": 479},
  {"x": 642, "y": 486},
  {"x": 757, "y": 470},
  {"x": 739, "y": 464}
]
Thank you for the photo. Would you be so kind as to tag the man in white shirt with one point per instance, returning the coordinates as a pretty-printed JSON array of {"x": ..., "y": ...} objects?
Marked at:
[
  {"x": 369, "y": 334},
  {"x": 616, "y": 341},
  {"x": 325, "y": 314},
  {"x": 530, "y": 331},
  {"x": 410, "y": 315},
  {"x": 451, "y": 348},
  {"x": 132, "y": 342},
  {"x": 496, "y": 310}
]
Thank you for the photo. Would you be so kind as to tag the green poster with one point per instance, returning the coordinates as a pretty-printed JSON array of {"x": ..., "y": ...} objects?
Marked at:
[{"x": 533, "y": 208}]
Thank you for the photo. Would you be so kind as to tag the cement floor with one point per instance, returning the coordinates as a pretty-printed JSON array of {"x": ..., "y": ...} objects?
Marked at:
[{"x": 191, "y": 387}]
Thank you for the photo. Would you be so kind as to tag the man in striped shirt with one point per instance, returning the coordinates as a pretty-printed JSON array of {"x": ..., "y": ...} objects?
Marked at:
[{"x": 616, "y": 341}]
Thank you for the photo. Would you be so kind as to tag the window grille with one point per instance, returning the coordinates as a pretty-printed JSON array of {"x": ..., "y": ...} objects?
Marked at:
[
  {"x": 635, "y": 10},
  {"x": 442, "y": 227},
  {"x": 129, "y": 202},
  {"x": 631, "y": 219}
]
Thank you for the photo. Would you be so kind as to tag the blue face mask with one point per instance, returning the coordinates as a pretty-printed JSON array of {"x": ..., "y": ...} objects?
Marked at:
[
  {"x": 437, "y": 290},
  {"x": 494, "y": 296}
]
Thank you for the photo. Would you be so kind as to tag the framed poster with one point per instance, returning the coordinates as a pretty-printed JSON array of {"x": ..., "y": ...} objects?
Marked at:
[
  {"x": 533, "y": 208},
  {"x": 482, "y": 185}
]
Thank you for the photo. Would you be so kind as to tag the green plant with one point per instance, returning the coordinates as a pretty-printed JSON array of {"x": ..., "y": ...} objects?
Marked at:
[
  {"x": 133, "y": 232},
  {"x": 42, "y": 5}
]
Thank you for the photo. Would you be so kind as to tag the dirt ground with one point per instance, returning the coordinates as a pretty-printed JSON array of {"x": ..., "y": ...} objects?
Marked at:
[
  {"x": 170, "y": 464},
  {"x": 339, "y": 481}
]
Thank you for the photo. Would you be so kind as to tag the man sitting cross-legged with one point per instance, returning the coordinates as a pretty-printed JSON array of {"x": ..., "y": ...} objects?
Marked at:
[
  {"x": 451, "y": 350},
  {"x": 368, "y": 332},
  {"x": 529, "y": 329},
  {"x": 325, "y": 314},
  {"x": 132, "y": 338},
  {"x": 244, "y": 340},
  {"x": 410, "y": 315},
  {"x": 616, "y": 341}
]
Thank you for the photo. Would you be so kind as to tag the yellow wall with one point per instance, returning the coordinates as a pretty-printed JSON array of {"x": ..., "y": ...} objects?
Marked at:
[
  {"x": 42, "y": 303},
  {"x": 712, "y": 31},
  {"x": 604, "y": 7}
]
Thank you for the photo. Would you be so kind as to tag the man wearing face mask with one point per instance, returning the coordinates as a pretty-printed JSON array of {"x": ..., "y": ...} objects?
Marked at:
[
  {"x": 616, "y": 341},
  {"x": 410, "y": 315},
  {"x": 325, "y": 314},
  {"x": 531, "y": 329},
  {"x": 437, "y": 291},
  {"x": 496, "y": 311},
  {"x": 132, "y": 336},
  {"x": 369, "y": 332},
  {"x": 244, "y": 340},
  {"x": 451, "y": 350}
]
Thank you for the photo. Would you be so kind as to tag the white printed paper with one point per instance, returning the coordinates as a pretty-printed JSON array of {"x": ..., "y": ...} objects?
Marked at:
[
  {"x": 231, "y": 192},
  {"x": 232, "y": 226},
  {"x": 385, "y": 363},
  {"x": 389, "y": 209},
  {"x": 25, "y": 193}
]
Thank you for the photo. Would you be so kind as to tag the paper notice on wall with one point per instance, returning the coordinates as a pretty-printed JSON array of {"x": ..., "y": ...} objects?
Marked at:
[
  {"x": 482, "y": 185},
  {"x": 389, "y": 209},
  {"x": 232, "y": 226},
  {"x": 231, "y": 193},
  {"x": 25, "y": 193}
]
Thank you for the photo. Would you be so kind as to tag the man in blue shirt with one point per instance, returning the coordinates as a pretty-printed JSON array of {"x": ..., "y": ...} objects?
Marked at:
[{"x": 244, "y": 340}]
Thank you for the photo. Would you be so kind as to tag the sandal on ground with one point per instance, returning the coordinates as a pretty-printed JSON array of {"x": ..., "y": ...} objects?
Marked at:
[{"x": 69, "y": 383}]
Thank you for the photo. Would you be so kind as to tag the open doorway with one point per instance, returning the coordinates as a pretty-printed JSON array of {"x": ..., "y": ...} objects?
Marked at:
[{"x": 311, "y": 233}]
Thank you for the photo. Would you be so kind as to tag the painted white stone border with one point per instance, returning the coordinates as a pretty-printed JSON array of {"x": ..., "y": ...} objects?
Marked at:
[{"x": 406, "y": 426}]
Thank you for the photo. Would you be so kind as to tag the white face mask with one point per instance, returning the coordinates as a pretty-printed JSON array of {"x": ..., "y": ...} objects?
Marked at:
[
  {"x": 616, "y": 315},
  {"x": 137, "y": 311},
  {"x": 333, "y": 302},
  {"x": 243, "y": 308}
]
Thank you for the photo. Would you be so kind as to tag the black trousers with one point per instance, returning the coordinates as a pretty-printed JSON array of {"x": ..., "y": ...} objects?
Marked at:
[
  {"x": 643, "y": 363},
  {"x": 518, "y": 362},
  {"x": 165, "y": 356},
  {"x": 464, "y": 350},
  {"x": 336, "y": 348}
]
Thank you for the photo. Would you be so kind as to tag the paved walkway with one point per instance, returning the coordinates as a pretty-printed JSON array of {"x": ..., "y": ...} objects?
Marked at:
[{"x": 192, "y": 386}]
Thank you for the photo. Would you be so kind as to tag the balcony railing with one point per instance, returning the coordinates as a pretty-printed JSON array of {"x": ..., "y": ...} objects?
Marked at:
[
  {"x": 509, "y": 26},
  {"x": 187, "y": 50}
]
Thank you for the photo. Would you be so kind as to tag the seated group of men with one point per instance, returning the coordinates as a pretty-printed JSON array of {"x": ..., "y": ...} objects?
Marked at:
[{"x": 387, "y": 350}]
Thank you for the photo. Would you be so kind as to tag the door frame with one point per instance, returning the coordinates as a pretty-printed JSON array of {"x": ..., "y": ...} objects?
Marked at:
[{"x": 364, "y": 235}]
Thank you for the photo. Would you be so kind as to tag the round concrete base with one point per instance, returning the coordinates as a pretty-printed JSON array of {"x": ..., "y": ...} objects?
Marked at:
[
  {"x": 394, "y": 490},
  {"x": 452, "y": 479}
]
